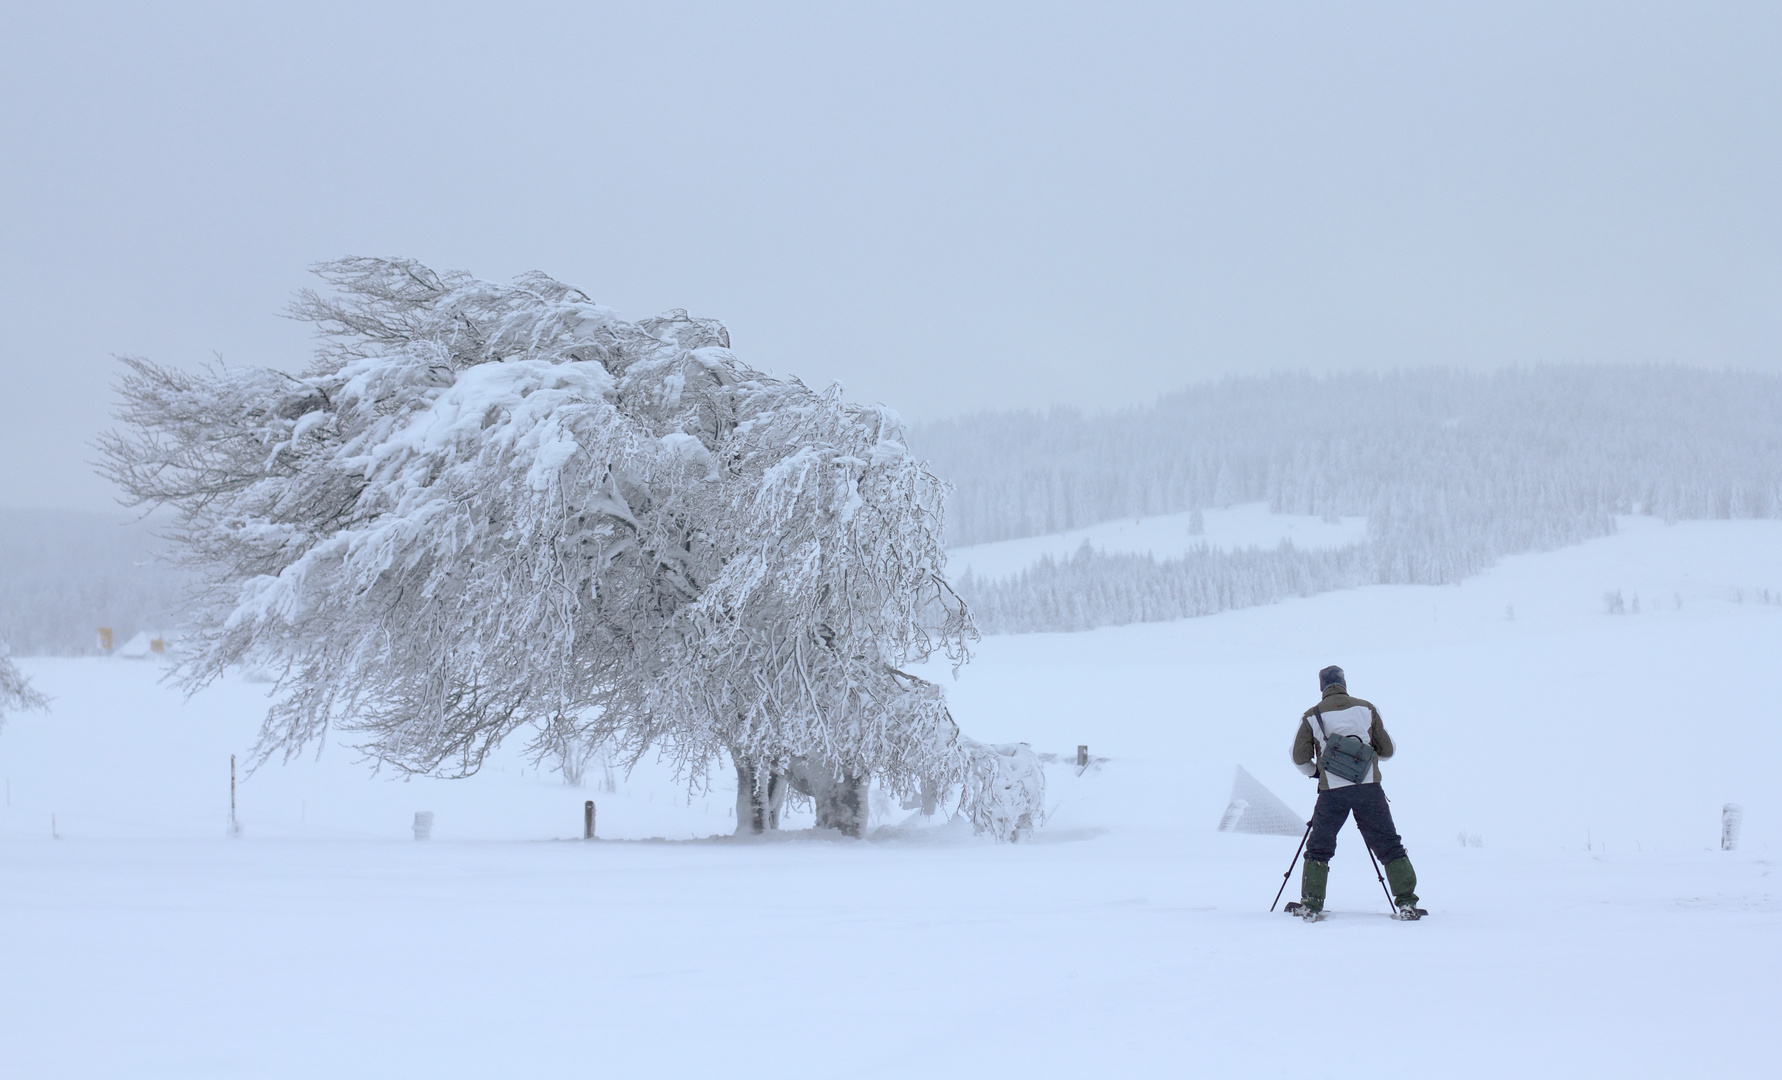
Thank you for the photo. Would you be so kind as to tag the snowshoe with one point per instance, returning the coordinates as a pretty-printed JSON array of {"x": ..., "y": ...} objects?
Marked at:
[
  {"x": 1408, "y": 913},
  {"x": 1294, "y": 907}
]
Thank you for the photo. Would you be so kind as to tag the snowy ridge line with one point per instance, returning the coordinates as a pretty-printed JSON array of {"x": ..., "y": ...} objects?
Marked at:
[
  {"x": 1093, "y": 588},
  {"x": 1250, "y": 525},
  {"x": 1552, "y": 444}
]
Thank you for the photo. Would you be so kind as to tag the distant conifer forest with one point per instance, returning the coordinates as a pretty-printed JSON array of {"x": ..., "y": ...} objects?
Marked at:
[{"x": 1451, "y": 469}]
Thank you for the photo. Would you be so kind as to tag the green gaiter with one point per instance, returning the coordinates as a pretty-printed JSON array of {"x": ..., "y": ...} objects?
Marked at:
[
  {"x": 1402, "y": 880},
  {"x": 1311, "y": 884}
]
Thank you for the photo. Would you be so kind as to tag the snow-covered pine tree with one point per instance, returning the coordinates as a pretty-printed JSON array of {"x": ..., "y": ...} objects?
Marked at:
[{"x": 490, "y": 508}]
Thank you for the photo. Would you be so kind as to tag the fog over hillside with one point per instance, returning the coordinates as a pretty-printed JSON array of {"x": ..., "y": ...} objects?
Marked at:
[
  {"x": 1451, "y": 469},
  {"x": 64, "y": 573}
]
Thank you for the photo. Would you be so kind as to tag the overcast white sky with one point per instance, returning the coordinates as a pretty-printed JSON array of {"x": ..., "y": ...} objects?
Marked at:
[{"x": 945, "y": 207}]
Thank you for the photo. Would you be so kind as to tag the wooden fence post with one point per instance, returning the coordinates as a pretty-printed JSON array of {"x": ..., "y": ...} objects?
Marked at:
[
  {"x": 1732, "y": 815},
  {"x": 588, "y": 820}
]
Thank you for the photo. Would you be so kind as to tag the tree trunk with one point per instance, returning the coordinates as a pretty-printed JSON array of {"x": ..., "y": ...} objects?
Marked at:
[
  {"x": 840, "y": 797},
  {"x": 759, "y": 795},
  {"x": 845, "y": 808}
]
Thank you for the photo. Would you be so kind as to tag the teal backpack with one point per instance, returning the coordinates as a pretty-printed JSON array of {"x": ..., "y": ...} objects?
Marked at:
[{"x": 1346, "y": 755}]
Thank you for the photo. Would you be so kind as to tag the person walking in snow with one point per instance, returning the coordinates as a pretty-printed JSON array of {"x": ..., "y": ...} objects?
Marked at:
[{"x": 1341, "y": 741}]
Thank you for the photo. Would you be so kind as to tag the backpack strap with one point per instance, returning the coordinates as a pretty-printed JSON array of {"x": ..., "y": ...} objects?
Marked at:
[{"x": 1318, "y": 714}]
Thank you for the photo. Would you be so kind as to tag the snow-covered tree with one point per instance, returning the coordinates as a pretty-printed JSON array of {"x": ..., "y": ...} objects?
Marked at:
[
  {"x": 491, "y": 508},
  {"x": 825, "y": 579},
  {"x": 397, "y": 531}
]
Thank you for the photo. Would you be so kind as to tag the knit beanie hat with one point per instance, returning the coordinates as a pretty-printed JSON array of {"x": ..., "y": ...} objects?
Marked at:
[{"x": 1331, "y": 676}]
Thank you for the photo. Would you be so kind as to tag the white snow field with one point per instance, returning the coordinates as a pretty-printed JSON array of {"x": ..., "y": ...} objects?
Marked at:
[
  {"x": 1164, "y": 536},
  {"x": 1597, "y": 932}
]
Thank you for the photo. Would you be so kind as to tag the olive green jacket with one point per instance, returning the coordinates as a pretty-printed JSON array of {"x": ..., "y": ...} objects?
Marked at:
[{"x": 1342, "y": 714}]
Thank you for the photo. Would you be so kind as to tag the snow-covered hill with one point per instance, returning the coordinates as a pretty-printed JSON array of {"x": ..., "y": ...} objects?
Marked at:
[
  {"x": 1596, "y": 932},
  {"x": 1526, "y": 706}
]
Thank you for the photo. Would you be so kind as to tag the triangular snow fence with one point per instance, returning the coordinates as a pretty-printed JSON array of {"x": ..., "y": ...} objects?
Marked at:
[{"x": 1256, "y": 809}]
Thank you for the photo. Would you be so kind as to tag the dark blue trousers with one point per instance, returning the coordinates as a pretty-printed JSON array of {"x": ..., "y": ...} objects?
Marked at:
[{"x": 1372, "y": 816}]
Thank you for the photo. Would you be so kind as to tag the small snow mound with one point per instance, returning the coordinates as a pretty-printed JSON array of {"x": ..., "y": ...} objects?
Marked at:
[{"x": 141, "y": 647}]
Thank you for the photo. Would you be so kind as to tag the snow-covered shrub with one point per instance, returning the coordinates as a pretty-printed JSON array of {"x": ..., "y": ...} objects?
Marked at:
[
  {"x": 1004, "y": 789},
  {"x": 16, "y": 692},
  {"x": 486, "y": 508}
]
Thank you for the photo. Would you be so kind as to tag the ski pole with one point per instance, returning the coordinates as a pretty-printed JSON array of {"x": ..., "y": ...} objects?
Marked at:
[
  {"x": 1291, "y": 865},
  {"x": 1370, "y": 858}
]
